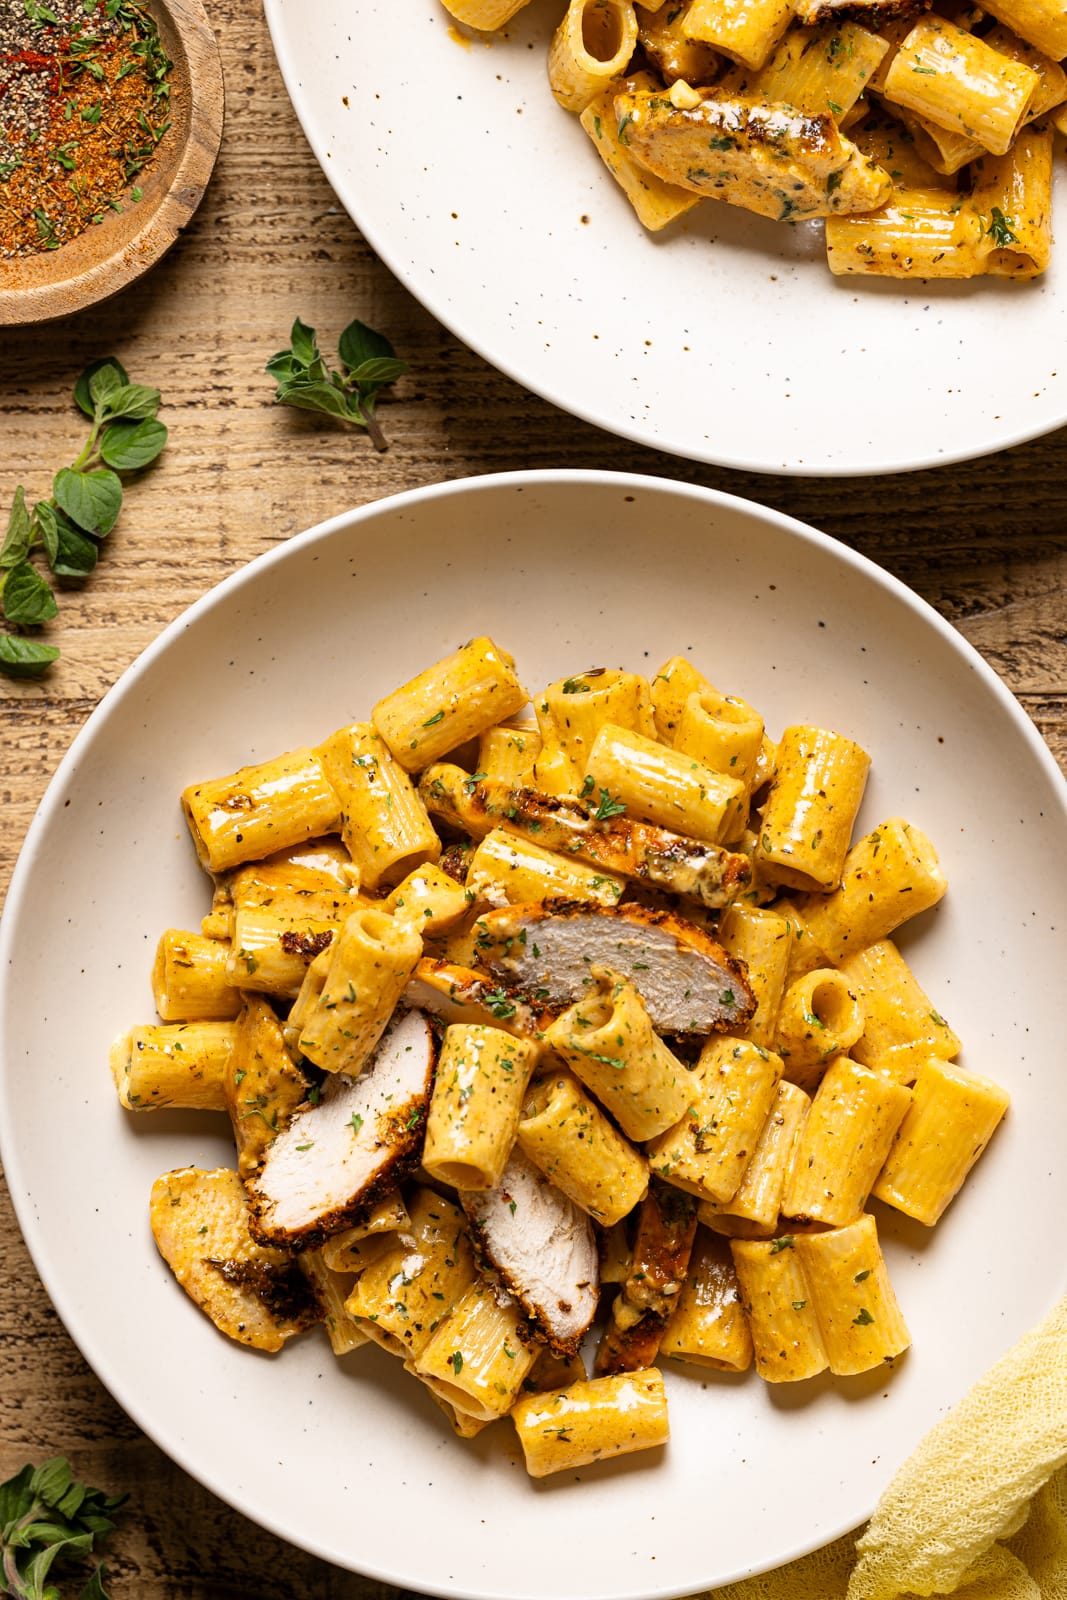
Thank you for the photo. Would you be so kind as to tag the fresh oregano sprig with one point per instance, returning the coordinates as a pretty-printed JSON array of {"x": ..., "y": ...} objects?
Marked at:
[
  {"x": 368, "y": 364},
  {"x": 47, "y": 1521},
  {"x": 86, "y": 500}
]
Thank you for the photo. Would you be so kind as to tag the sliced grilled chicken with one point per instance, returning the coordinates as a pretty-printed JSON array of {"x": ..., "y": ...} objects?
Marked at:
[
  {"x": 200, "y": 1223},
  {"x": 666, "y": 1228},
  {"x": 686, "y": 979},
  {"x": 637, "y": 850},
  {"x": 336, "y": 1158},
  {"x": 871, "y": 13},
  {"x": 459, "y": 994},
  {"x": 543, "y": 1249}
]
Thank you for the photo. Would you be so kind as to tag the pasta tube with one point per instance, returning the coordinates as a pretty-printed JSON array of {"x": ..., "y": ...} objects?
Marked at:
[
  {"x": 671, "y": 687},
  {"x": 762, "y": 940},
  {"x": 819, "y": 1018},
  {"x": 920, "y": 233},
  {"x": 750, "y": 152},
  {"x": 807, "y": 820},
  {"x": 952, "y": 1117},
  {"x": 730, "y": 1095},
  {"x": 663, "y": 786},
  {"x": 661, "y": 35},
  {"x": 384, "y": 824},
  {"x": 854, "y": 1302},
  {"x": 725, "y": 734},
  {"x": 707, "y": 1327},
  {"x": 260, "y": 809},
  {"x": 182, "y": 1065},
  {"x": 477, "y": 1359},
  {"x": 507, "y": 869},
  {"x": 592, "y": 1421},
  {"x": 506, "y": 753},
  {"x": 901, "y": 1027},
  {"x": 567, "y": 1135},
  {"x": 478, "y": 1092},
  {"x": 485, "y": 15},
  {"x": 428, "y": 901},
  {"x": 332, "y": 1289},
  {"x": 890, "y": 875},
  {"x": 369, "y": 965},
  {"x": 262, "y": 1086},
  {"x": 451, "y": 702},
  {"x": 846, "y": 1137},
  {"x": 754, "y": 1210},
  {"x": 286, "y": 911},
  {"x": 1042, "y": 23},
  {"x": 745, "y": 30},
  {"x": 608, "y": 1042},
  {"x": 956, "y": 80},
  {"x": 592, "y": 45},
  {"x": 401, "y": 1299},
  {"x": 1013, "y": 198},
  {"x": 786, "y": 1338},
  {"x": 342, "y": 1252},
  {"x": 825, "y": 68},
  {"x": 189, "y": 980},
  {"x": 571, "y": 712}
]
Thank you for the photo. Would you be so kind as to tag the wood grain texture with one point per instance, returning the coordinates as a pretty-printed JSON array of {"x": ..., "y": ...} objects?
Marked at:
[{"x": 985, "y": 543}]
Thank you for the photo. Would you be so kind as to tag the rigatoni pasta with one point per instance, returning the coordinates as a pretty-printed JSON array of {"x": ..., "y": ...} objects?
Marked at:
[{"x": 608, "y": 1006}]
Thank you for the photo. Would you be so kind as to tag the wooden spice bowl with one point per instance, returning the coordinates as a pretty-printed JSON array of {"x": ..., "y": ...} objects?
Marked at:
[{"x": 111, "y": 254}]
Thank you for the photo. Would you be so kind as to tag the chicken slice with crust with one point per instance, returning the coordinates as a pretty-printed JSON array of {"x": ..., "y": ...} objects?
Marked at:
[
  {"x": 256, "y": 1295},
  {"x": 336, "y": 1158}
]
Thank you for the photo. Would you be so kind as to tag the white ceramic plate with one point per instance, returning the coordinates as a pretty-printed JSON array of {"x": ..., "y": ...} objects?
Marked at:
[
  {"x": 350, "y": 1459},
  {"x": 724, "y": 339}
]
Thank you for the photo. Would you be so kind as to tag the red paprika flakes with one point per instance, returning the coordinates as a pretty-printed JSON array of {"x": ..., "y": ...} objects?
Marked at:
[{"x": 84, "y": 101}]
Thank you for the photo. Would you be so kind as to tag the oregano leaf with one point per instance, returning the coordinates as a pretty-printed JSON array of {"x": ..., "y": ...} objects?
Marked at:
[{"x": 91, "y": 499}]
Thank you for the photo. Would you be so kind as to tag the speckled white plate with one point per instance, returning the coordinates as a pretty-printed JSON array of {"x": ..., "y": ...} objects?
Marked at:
[
  {"x": 724, "y": 339},
  {"x": 351, "y": 1459}
]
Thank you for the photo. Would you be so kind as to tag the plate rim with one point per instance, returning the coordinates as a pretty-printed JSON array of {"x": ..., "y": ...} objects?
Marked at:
[
  {"x": 107, "y": 1366},
  {"x": 406, "y": 273}
]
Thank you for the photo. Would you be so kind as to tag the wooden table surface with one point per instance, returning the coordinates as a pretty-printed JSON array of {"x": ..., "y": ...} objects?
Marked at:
[{"x": 986, "y": 543}]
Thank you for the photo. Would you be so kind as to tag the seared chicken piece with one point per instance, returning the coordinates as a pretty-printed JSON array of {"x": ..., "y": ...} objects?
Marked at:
[
  {"x": 262, "y": 1086},
  {"x": 459, "y": 994},
  {"x": 687, "y": 981},
  {"x": 638, "y": 850},
  {"x": 871, "y": 13},
  {"x": 200, "y": 1222},
  {"x": 542, "y": 1248},
  {"x": 666, "y": 1228},
  {"x": 750, "y": 152},
  {"x": 363, "y": 1137}
]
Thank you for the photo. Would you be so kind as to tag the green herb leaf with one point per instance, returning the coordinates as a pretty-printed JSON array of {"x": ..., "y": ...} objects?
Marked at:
[
  {"x": 104, "y": 383},
  {"x": 91, "y": 499},
  {"x": 134, "y": 401},
  {"x": 383, "y": 369},
  {"x": 1001, "y": 228},
  {"x": 864, "y": 1318},
  {"x": 607, "y": 807},
  {"x": 302, "y": 339},
  {"x": 75, "y": 553},
  {"x": 25, "y": 658},
  {"x": 129, "y": 447},
  {"x": 786, "y": 1242},
  {"x": 28, "y": 599},
  {"x": 47, "y": 1520},
  {"x": 359, "y": 344},
  {"x": 350, "y": 395},
  {"x": 82, "y": 396},
  {"x": 315, "y": 397},
  {"x": 19, "y": 536}
]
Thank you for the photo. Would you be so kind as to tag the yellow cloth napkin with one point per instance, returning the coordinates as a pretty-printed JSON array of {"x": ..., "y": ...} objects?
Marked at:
[{"x": 978, "y": 1511}]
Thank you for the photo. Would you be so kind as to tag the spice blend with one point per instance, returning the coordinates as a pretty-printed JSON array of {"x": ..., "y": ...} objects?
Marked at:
[{"x": 84, "y": 101}]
